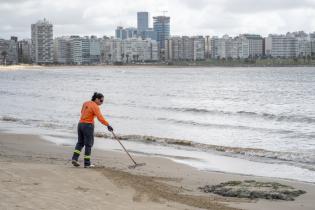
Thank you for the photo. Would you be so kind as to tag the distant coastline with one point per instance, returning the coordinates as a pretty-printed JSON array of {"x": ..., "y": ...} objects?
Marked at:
[{"x": 170, "y": 65}]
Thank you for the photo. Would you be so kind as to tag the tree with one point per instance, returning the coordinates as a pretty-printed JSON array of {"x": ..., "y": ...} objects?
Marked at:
[
  {"x": 127, "y": 56},
  {"x": 4, "y": 57},
  {"x": 309, "y": 59},
  {"x": 110, "y": 56},
  {"x": 122, "y": 57}
]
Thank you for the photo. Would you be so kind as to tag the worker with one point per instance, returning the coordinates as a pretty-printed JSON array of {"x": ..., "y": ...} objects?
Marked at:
[{"x": 89, "y": 110}]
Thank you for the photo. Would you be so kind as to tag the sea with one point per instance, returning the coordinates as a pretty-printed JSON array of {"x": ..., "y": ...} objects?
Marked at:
[{"x": 253, "y": 121}]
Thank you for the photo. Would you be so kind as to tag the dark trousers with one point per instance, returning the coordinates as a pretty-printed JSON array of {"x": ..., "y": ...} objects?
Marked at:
[{"x": 85, "y": 139}]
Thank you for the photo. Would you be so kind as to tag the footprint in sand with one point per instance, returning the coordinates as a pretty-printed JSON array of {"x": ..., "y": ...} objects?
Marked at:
[{"x": 82, "y": 189}]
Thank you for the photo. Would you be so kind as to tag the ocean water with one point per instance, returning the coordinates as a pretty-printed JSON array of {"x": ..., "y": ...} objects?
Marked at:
[{"x": 258, "y": 121}]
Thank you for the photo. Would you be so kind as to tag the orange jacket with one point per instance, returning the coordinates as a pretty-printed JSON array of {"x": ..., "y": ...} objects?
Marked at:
[{"x": 89, "y": 110}]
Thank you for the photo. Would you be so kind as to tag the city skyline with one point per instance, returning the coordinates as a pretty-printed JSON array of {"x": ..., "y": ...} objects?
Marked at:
[{"x": 101, "y": 18}]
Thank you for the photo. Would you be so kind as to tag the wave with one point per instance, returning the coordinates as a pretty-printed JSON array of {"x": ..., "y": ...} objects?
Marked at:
[
  {"x": 264, "y": 115},
  {"x": 38, "y": 123},
  {"x": 224, "y": 126},
  {"x": 9, "y": 119},
  {"x": 303, "y": 160}
]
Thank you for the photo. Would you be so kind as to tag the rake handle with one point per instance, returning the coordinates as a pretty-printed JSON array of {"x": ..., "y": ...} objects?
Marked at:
[{"x": 115, "y": 137}]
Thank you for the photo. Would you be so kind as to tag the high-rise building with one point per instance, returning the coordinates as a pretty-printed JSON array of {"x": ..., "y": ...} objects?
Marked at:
[
  {"x": 199, "y": 48},
  {"x": 251, "y": 46},
  {"x": 281, "y": 46},
  {"x": 62, "y": 50},
  {"x": 95, "y": 50},
  {"x": 24, "y": 51},
  {"x": 126, "y": 33},
  {"x": 142, "y": 21},
  {"x": 149, "y": 34},
  {"x": 185, "y": 48},
  {"x": 9, "y": 51},
  {"x": 214, "y": 47},
  {"x": 130, "y": 50},
  {"x": 161, "y": 25},
  {"x": 42, "y": 42},
  {"x": 243, "y": 46},
  {"x": 79, "y": 50}
]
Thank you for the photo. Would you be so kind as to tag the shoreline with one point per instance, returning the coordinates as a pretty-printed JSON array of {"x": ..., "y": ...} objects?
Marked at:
[
  {"x": 175, "y": 66},
  {"x": 147, "y": 186}
]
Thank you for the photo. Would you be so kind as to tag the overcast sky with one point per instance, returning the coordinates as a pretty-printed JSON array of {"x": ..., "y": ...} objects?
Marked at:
[{"x": 188, "y": 17}]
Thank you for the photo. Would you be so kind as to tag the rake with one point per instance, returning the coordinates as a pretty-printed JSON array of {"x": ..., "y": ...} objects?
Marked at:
[{"x": 134, "y": 162}]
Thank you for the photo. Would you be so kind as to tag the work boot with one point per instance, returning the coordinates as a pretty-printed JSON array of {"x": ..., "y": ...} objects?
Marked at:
[
  {"x": 75, "y": 163},
  {"x": 89, "y": 166}
]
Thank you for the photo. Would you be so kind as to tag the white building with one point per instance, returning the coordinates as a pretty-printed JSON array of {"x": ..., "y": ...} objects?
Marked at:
[
  {"x": 95, "y": 50},
  {"x": 79, "y": 50},
  {"x": 226, "y": 47},
  {"x": 281, "y": 46},
  {"x": 251, "y": 46},
  {"x": 174, "y": 48},
  {"x": 199, "y": 48},
  {"x": 9, "y": 51},
  {"x": 243, "y": 46},
  {"x": 42, "y": 42},
  {"x": 304, "y": 47},
  {"x": 185, "y": 48},
  {"x": 214, "y": 46},
  {"x": 130, "y": 50},
  {"x": 62, "y": 50}
]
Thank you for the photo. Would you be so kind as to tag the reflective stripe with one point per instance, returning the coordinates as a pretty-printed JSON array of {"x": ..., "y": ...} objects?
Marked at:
[
  {"x": 77, "y": 152},
  {"x": 87, "y": 157}
]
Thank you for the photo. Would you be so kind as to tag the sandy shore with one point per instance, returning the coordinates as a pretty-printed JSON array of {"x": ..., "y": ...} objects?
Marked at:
[{"x": 36, "y": 174}]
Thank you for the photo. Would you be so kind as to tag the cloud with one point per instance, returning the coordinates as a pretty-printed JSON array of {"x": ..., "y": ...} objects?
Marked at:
[
  {"x": 188, "y": 17},
  {"x": 250, "y": 6}
]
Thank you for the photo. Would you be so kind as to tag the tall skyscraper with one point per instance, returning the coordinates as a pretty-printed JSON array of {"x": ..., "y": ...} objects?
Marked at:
[
  {"x": 142, "y": 21},
  {"x": 42, "y": 42},
  {"x": 161, "y": 25}
]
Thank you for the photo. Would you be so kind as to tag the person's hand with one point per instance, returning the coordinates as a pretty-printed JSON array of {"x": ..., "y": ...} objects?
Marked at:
[{"x": 110, "y": 128}]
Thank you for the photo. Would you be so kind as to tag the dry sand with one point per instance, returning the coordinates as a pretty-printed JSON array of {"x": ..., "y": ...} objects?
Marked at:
[{"x": 35, "y": 174}]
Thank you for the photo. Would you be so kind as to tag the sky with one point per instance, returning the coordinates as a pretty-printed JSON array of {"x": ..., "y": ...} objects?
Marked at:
[{"x": 188, "y": 17}]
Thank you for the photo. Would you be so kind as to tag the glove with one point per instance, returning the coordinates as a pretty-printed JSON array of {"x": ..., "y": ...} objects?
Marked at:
[{"x": 110, "y": 128}]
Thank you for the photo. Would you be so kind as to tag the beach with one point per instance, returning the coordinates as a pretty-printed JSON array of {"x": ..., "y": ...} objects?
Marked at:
[{"x": 37, "y": 174}]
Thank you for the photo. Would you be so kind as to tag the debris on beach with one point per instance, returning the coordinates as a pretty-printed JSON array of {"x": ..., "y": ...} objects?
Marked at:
[{"x": 253, "y": 190}]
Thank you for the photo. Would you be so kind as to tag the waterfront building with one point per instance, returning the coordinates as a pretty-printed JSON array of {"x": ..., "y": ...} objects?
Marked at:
[
  {"x": 62, "y": 50},
  {"x": 207, "y": 47},
  {"x": 214, "y": 46},
  {"x": 252, "y": 46},
  {"x": 95, "y": 50},
  {"x": 130, "y": 50},
  {"x": 142, "y": 21},
  {"x": 9, "y": 51},
  {"x": 149, "y": 34},
  {"x": 161, "y": 25},
  {"x": 281, "y": 46},
  {"x": 126, "y": 33},
  {"x": 42, "y": 42},
  {"x": 240, "y": 47},
  {"x": 79, "y": 50},
  {"x": 24, "y": 51},
  {"x": 198, "y": 48},
  {"x": 185, "y": 48}
]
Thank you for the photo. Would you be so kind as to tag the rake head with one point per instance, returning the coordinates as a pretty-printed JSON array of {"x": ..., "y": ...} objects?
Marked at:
[{"x": 136, "y": 165}]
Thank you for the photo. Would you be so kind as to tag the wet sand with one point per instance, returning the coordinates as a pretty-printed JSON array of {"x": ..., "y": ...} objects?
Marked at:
[{"x": 36, "y": 174}]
